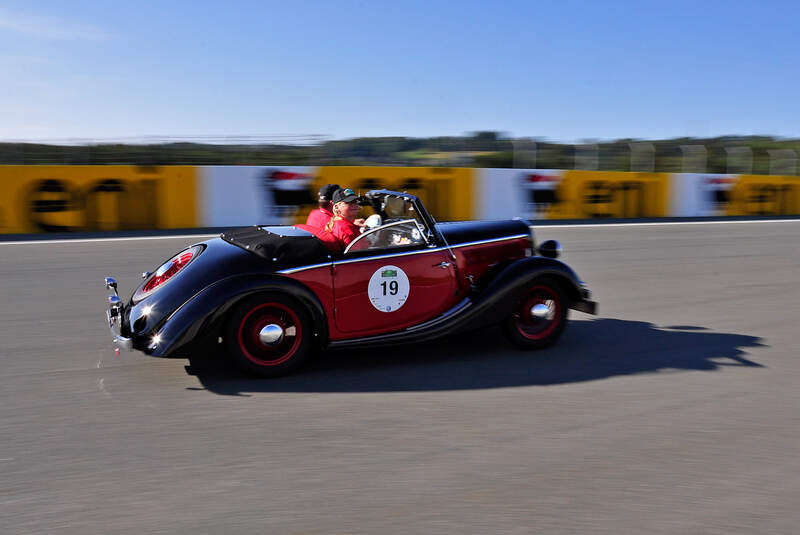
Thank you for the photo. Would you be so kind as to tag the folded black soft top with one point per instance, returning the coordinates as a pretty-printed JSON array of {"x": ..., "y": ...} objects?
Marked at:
[{"x": 286, "y": 246}]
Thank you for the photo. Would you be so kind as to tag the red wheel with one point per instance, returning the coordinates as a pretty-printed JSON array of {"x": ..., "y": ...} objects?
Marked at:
[
  {"x": 539, "y": 317},
  {"x": 269, "y": 334}
]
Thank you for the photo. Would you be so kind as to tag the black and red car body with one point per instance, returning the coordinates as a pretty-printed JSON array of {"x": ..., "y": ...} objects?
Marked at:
[{"x": 277, "y": 295}]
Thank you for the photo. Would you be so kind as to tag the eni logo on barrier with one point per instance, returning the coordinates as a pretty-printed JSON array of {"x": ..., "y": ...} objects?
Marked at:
[
  {"x": 602, "y": 198},
  {"x": 54, "y": 205},
  {"x": 771, "y": 199},
  {"x": 607, "y": 194},
  {"x": 62, "y": 198}
]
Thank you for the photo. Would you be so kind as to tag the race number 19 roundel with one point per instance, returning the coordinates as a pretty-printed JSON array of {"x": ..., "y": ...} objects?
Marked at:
[{"x": 388, "y": 288}]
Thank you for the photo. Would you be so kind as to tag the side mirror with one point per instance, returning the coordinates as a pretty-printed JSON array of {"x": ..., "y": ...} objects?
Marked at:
[{"x": 550, "y": 249}]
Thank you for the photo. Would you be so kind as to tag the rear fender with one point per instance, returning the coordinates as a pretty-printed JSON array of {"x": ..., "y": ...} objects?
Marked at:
[{"x": 203, "y": 314}]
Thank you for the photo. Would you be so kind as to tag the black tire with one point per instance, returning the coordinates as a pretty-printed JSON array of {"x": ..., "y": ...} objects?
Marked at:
[
  {"x": 244, "y": 344},
  {"x": 525, "y": 330}
]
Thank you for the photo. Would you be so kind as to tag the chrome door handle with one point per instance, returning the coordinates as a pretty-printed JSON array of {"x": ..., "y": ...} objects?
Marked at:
[{"x": 443, "y": 265}]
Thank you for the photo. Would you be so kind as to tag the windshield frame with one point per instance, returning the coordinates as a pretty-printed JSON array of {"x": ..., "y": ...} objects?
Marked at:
[{"x": 425, "y": 241}]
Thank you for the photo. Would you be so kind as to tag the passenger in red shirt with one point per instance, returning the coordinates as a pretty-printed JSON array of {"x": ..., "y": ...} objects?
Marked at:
[
  {"x": 320, "y": 217},
  {"x": 344, "y": 225}
]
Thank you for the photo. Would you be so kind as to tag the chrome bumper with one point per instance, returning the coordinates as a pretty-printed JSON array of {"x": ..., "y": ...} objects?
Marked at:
[
  {"x": 114, "y": 317},
  {"x": 589, "y": 307},
  {"x": 117, "y": 339},
  {"x": 585, "y": 303}
]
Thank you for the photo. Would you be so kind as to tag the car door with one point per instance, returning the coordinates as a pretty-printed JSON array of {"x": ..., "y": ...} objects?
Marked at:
[{"x": 385, "y": 290}]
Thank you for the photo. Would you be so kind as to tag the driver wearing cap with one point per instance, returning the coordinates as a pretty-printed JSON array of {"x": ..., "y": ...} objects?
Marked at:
[
  {"x": 344, "y": 225},
  {"x": 320, "y": 217}
]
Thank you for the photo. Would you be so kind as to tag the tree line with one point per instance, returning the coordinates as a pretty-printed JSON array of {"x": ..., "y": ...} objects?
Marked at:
[{"x": 478, "y": 149}]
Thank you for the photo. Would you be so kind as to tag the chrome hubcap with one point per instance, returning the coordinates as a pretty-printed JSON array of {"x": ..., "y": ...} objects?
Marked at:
[
  {"x": 542, "y": 311},
  {"x": 271, "y": 335}
]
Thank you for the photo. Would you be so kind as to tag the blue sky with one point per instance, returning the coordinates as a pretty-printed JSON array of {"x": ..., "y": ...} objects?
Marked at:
[{"x": 556, "y": 70}]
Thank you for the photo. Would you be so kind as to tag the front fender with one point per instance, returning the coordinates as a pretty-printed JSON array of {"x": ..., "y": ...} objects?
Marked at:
[
  {"x": 497, "y": 294},
  {"x": 203, "y": 314}
]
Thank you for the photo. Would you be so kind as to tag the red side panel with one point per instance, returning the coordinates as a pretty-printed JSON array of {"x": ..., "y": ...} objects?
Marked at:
[
  {"x": 432, "y": 289},
  {"x": 476, "y": 260}
]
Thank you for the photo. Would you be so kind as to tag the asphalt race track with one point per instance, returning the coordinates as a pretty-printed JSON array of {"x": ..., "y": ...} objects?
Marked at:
[{"x": 674, "y": 411}]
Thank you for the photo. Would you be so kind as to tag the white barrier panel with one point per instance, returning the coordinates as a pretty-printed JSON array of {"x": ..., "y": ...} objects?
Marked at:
[
  {"x": 507, "y": 193},
  {"x": 700, "y": 194},
  {"x": 253, "y": 195}
]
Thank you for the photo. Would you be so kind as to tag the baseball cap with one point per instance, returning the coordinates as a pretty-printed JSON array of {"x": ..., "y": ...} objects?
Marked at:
[
  {"x": 326, "y": 192},
  {"x": 344, "y": 195}
]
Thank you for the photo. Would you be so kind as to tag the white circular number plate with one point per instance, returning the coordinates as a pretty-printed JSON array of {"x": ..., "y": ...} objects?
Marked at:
[{"x": 388, "y": 288}]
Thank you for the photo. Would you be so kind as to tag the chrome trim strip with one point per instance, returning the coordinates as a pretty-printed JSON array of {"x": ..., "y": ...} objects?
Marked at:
[
  {"x": 393, "y": 255},
  {"x": 302, "y": 268},
  {"x": 480, "y": 242},
  {"x": 461, "y": 305}
]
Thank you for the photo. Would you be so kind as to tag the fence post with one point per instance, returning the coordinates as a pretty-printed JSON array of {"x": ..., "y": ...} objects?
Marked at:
[
  {"x": 643, "y": 156},
  {"x": 782, "y": 162},
  {"x": 586, "y": 156},
  {"x": 739, "y": 160},
  {"x": 524, "y": 156},
  {"x": 693, "y": 159}
]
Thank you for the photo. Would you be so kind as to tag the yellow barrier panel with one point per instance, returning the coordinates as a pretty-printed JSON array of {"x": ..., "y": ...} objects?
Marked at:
[
  {"x": 764, "y": 195},
  {"x": 610, "y": 194},
  {"x": 446, "y": 192},
  {"x": 56, "y": 198}
]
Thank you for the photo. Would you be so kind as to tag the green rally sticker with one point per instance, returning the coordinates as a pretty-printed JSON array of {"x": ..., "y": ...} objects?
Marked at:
[{"x": 389, "y": 273}]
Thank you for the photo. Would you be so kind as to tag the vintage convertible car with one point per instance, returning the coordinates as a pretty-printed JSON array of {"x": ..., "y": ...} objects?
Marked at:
[{"x": 274, "y": 295}]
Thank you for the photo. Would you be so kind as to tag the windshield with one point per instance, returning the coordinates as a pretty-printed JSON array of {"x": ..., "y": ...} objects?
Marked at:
[
  {"x": 399, "y": 209},
  {"x": 398, "y": 224},
  {"x": 403, "y": 233}
]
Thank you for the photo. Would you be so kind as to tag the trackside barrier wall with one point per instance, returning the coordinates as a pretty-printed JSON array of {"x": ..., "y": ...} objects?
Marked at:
[
  {"x": 233, "y": 196},
  {"x": 253, "y": 195},
  {"x": 734, "y": 195},
  {"x": 551, "y": 194},
  {"x": 62, "y": 198},
  {"x": 700, "y": 194},
  {"x": 609, "y": 194},
  {"x": 122, "y": 197},
  {"x": 764, "y": 195}
]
